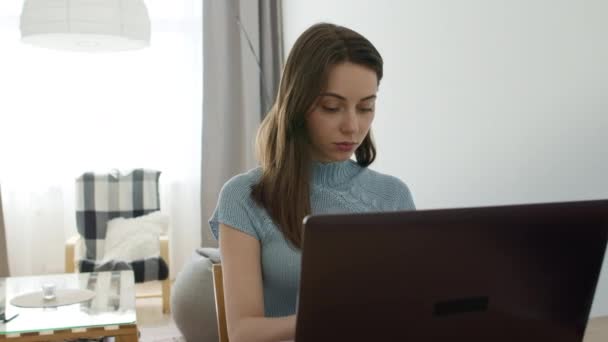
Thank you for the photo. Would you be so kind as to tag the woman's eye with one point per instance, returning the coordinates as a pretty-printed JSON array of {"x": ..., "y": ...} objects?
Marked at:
[
  {"x": 330, "y": 109},
  {"x": 367, "y": 109}
]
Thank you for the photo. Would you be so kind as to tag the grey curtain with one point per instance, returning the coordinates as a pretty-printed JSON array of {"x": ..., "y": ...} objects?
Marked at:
[
  {"x": 3, "y": 253},
  {"x": 242, "y": 62}
]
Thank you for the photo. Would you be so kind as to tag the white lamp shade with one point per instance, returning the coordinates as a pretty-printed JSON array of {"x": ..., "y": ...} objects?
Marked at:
[{"x": 86, "y": 25}]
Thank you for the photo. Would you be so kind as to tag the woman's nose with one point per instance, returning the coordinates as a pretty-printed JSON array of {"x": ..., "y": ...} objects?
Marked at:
[{"x": 349, "y": 122}]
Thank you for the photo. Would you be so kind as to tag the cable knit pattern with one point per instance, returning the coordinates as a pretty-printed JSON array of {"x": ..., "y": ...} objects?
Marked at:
[{"x": 340, "y": 187}]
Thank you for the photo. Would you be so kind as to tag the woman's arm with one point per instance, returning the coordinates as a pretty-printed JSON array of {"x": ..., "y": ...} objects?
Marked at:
[{"x": 243, "y": 291}]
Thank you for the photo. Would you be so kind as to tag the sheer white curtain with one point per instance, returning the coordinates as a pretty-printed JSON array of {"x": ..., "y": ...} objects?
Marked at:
[{"x": 63, "y": 113}]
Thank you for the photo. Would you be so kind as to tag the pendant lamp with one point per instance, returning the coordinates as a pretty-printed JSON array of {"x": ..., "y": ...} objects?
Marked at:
[{"x": 86, "y": 25}]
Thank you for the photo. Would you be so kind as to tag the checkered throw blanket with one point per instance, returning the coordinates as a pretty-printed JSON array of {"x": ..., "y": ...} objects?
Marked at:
[{"x": 102, "y": 197}]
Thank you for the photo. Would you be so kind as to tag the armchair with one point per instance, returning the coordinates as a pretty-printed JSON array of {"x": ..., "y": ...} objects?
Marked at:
[{"x": 102, "y": 197}]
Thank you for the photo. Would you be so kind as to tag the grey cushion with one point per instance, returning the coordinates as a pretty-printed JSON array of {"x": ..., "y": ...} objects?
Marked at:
[{"x": 192, "y": 297}]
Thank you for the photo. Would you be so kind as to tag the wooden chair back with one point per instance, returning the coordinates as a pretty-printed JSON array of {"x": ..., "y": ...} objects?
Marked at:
[{"x": 220, "y": 311}]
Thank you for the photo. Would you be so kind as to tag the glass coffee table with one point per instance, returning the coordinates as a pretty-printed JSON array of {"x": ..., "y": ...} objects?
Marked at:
[{"x": 111, "y": 312}]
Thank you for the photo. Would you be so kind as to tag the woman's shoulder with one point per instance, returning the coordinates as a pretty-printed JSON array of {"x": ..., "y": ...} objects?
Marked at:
[
  {"x": 387, "y": 186},
  {"x": 241, "y": 184},
  {"x": 235, "y": 206},
  {"x": 376, "y": 178}
]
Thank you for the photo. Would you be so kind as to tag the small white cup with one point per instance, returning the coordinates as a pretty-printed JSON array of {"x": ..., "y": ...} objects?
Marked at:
[{"x": 48, "y": 290}]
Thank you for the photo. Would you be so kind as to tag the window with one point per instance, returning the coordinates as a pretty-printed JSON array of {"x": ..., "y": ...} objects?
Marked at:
[{"x": 63, "y": 113}]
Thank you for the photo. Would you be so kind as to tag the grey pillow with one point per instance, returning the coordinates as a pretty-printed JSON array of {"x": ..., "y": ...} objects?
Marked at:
[{"x": 192, "y": 297}]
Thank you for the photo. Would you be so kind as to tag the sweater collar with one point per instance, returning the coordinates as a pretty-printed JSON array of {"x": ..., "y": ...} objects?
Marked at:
[{"x": 334, "y": 173}]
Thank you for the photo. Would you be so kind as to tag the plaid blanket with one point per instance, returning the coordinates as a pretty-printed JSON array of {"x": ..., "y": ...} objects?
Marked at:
[{"x": 102, "y": 197}]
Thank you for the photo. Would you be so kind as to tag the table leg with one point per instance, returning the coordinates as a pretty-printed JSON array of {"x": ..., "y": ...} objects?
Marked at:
[{"x": 127, "y": 338}]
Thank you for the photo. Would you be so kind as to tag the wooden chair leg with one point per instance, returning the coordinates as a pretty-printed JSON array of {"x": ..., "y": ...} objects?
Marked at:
[
  {"x": 166, "y": 284},
  {"x": 70, "y": 253}
]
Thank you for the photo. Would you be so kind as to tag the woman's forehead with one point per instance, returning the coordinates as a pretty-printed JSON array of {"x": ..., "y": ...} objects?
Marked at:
[{"x": 351, "y": 81}]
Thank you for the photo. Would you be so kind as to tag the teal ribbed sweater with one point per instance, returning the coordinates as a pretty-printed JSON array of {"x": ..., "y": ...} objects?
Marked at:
[{"x": 340, "y": 187}]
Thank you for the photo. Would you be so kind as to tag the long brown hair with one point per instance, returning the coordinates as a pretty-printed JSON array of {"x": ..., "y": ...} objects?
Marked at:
[{"x": 282, "y": 141}]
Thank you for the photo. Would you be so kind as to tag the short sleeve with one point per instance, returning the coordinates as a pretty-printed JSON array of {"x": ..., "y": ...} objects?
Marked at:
[
  {"x": 403, "y": 197},
  {"x": 235, "y": 208}
]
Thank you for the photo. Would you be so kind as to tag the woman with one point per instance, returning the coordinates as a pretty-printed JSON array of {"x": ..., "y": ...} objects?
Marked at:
[{"x": 322, "y": 115}]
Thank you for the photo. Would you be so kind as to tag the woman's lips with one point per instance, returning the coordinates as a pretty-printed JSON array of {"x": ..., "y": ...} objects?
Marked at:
[{"x": 345, "y": 147}]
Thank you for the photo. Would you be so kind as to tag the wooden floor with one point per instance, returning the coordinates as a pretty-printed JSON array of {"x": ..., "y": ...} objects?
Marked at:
[
  {"x": 153, "y": 325},
  {"x": 597, "y": 330}
]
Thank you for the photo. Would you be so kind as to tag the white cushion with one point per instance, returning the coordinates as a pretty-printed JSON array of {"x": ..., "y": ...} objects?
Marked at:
[{"x": 135, "y": 238}]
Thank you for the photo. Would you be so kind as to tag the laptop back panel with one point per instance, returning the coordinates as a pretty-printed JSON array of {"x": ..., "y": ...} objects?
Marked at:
[{"x": 511, "y": 273}]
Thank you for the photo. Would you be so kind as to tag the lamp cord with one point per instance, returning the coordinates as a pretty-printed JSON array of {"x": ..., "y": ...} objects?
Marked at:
[{"x": 265, "y": 91}]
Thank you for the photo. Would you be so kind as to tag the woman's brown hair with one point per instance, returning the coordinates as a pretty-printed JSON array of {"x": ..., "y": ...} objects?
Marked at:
[{"x": 282, "y": 141}]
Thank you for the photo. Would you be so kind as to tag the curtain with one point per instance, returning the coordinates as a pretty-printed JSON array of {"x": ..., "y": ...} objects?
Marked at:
[
  {"x": 242, "y": 64},
  {"x": 3, "y": 254},
  {"x": 63, "y": 113}
]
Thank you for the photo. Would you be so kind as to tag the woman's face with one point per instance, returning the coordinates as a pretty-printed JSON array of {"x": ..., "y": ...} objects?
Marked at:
[{"x": 341, "y": 117}]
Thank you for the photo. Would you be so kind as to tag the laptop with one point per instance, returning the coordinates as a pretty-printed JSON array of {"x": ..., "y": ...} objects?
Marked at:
[{"x": 504, "y": 273}]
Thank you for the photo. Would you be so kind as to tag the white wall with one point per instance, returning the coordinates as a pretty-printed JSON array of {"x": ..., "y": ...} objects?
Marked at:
[{"x": 486, "y": 102}]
